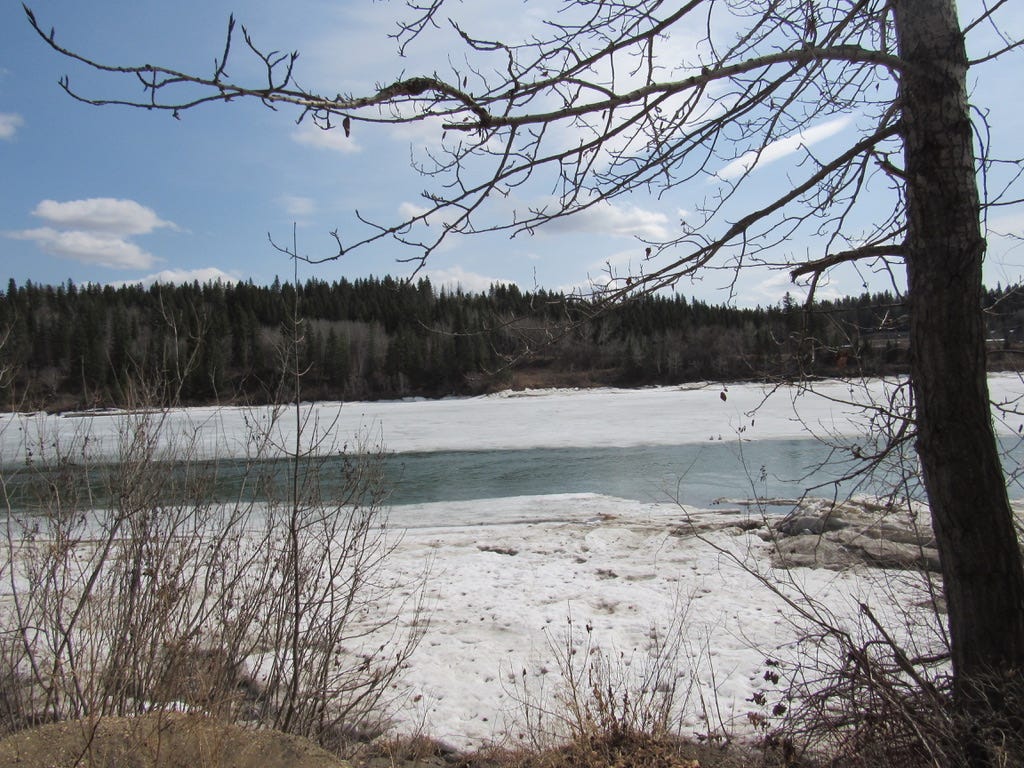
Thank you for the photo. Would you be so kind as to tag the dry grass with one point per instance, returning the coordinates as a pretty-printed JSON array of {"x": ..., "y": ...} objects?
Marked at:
[
  {"x": 632, "y": 751},
  {"x": 624, "y": 751},
  {"x": 159, "y": 740},
  {"x": 607, "y": 710}
]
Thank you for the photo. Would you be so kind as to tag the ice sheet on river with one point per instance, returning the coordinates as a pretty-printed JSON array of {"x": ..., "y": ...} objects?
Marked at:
[{"x": 510, "y": 420}]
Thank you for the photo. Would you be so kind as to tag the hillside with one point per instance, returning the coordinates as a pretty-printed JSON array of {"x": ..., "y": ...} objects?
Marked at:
[{"x": 90, "y": 346}]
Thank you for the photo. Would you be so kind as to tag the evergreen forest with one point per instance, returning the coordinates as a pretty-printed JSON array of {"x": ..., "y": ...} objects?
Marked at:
[{"x": 90, "y": 346}]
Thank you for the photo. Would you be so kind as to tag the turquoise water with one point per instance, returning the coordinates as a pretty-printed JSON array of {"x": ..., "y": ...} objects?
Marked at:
[{"x": 694, "y": 474}]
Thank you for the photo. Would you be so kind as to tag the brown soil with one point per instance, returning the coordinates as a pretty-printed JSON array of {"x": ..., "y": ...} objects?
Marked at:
[{"x": 161, "y": 740}]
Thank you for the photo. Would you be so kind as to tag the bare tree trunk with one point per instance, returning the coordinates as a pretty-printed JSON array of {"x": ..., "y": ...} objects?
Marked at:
[{"x": 971, "y": 515}]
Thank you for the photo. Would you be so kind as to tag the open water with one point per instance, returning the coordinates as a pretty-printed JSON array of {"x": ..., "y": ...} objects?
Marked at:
[{"x": 695, "y": 474}]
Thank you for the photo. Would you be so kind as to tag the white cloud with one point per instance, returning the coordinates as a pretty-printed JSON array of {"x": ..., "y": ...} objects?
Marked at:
[
  {"x": 455, "y": 277},
  {"x": 95, "y": 231},
  {"x": 420, "y": 134},
  {"x": 298, "y": 206},
  {"x": 409, "y": 211},
  {"x": 334, "y": 139},
  {"x": 615, "y": 220},
  {"x": 179, "y": 276},
  {"x": 101, "y": 249},
  {"x": 9, "y": 124},
  {"x": 101, "y": 214},
  {"x": 783, "y": 147},
  {"x": 773, "y": 288}
]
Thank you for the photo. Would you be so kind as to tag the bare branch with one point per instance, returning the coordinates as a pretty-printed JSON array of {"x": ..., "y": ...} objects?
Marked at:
[
  {"x": 803, "y": 57},
  {"x": 699, "y": 258},
  {"x": 818, "y": 266}
]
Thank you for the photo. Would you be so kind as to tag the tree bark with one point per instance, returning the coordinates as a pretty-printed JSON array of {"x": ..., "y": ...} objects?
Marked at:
[{"x": 982, "y": 569}]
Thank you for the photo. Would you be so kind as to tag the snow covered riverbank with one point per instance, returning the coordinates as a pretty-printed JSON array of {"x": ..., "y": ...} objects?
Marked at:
[
  {"x": 500, "y": 598},
  {"x": 506, "y": 575}
]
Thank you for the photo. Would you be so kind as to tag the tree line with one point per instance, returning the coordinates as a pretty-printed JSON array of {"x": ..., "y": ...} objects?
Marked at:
[{"x": 70, "y": 345}]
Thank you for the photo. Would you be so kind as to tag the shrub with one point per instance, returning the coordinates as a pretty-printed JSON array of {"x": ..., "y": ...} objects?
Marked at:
[{"x": 134, "y": 588}]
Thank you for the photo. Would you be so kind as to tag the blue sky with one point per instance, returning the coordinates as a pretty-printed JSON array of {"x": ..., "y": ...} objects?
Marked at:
[{"x": 111, "y": 194}]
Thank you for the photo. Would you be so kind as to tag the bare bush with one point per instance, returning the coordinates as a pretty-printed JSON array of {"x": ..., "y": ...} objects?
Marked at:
[
  {"x": 605, "y": 702},
  {"x": 872, "y": 687},
  {"x": 133, "y": 587},
  {"x": 861, "y": 698}
]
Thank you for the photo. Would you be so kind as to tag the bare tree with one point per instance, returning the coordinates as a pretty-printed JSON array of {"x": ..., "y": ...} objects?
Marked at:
[{"x": 600, "y": 105}]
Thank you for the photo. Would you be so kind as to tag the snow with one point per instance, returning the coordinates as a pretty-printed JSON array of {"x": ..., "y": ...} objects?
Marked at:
[
  {"x": 509, "y": 420},
  {"x": 502, "y": 596},
  {"x": 507, "y": 575}
]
